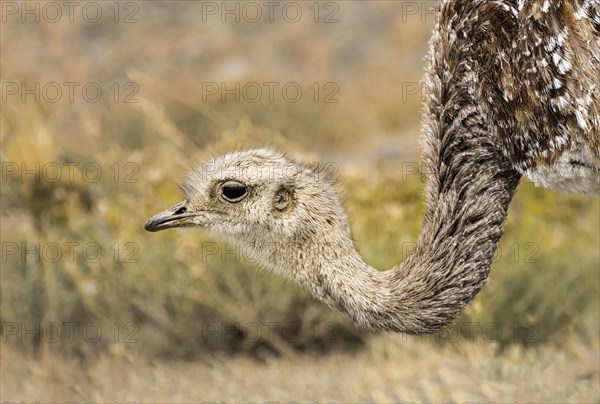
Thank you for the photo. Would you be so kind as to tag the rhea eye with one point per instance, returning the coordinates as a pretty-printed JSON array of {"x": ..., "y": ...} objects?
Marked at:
[{"x": 233, "y": 191}]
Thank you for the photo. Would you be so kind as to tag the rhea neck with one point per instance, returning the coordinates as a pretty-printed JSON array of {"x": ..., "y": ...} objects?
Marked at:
[
  {"x": 468, "y": 194},
  {"x": 470, "y": 186},
  {"x": 471, "y": 183}
]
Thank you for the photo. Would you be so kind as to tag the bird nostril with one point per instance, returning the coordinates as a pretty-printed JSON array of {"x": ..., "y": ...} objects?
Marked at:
[{"x": 181, "y": 210}]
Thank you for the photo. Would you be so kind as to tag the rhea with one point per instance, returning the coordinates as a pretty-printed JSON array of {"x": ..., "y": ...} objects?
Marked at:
[{"x": 512, "y": 89}]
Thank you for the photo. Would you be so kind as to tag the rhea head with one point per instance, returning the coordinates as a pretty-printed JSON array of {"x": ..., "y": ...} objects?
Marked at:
[{"x": 257, "y": 198}]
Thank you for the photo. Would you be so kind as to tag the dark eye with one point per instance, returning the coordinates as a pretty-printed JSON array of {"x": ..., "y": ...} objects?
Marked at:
[{"x": 233, "y": 191}]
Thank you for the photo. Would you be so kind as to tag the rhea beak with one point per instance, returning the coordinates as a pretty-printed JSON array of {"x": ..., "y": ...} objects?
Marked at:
[{"x": 175, "y": 216}]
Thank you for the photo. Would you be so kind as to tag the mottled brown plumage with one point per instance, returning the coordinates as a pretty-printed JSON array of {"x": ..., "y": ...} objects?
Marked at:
[
  {"x": 538, "y": 67},
  {"x": 512, "y": 89}
]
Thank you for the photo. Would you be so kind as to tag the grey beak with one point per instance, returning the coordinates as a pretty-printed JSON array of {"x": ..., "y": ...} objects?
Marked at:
[{"x": 175, "y": 216}]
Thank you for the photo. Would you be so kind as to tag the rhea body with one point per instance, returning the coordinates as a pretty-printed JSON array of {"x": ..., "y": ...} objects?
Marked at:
[{"x": 512, "y": 89}]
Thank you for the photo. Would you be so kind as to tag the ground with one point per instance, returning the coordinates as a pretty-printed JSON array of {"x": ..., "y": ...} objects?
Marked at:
[{"x": 389, "y": 370}]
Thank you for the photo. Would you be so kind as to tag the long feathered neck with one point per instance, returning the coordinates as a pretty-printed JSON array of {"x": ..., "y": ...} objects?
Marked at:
[{"x": 470, "y": 186}]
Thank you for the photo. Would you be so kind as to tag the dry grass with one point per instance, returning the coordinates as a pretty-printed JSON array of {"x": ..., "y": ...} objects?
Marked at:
[{"x": 389, "y": 371}]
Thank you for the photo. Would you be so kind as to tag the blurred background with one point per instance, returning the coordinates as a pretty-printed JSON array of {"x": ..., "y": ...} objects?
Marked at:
[{"x": 105, "y": 105}]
